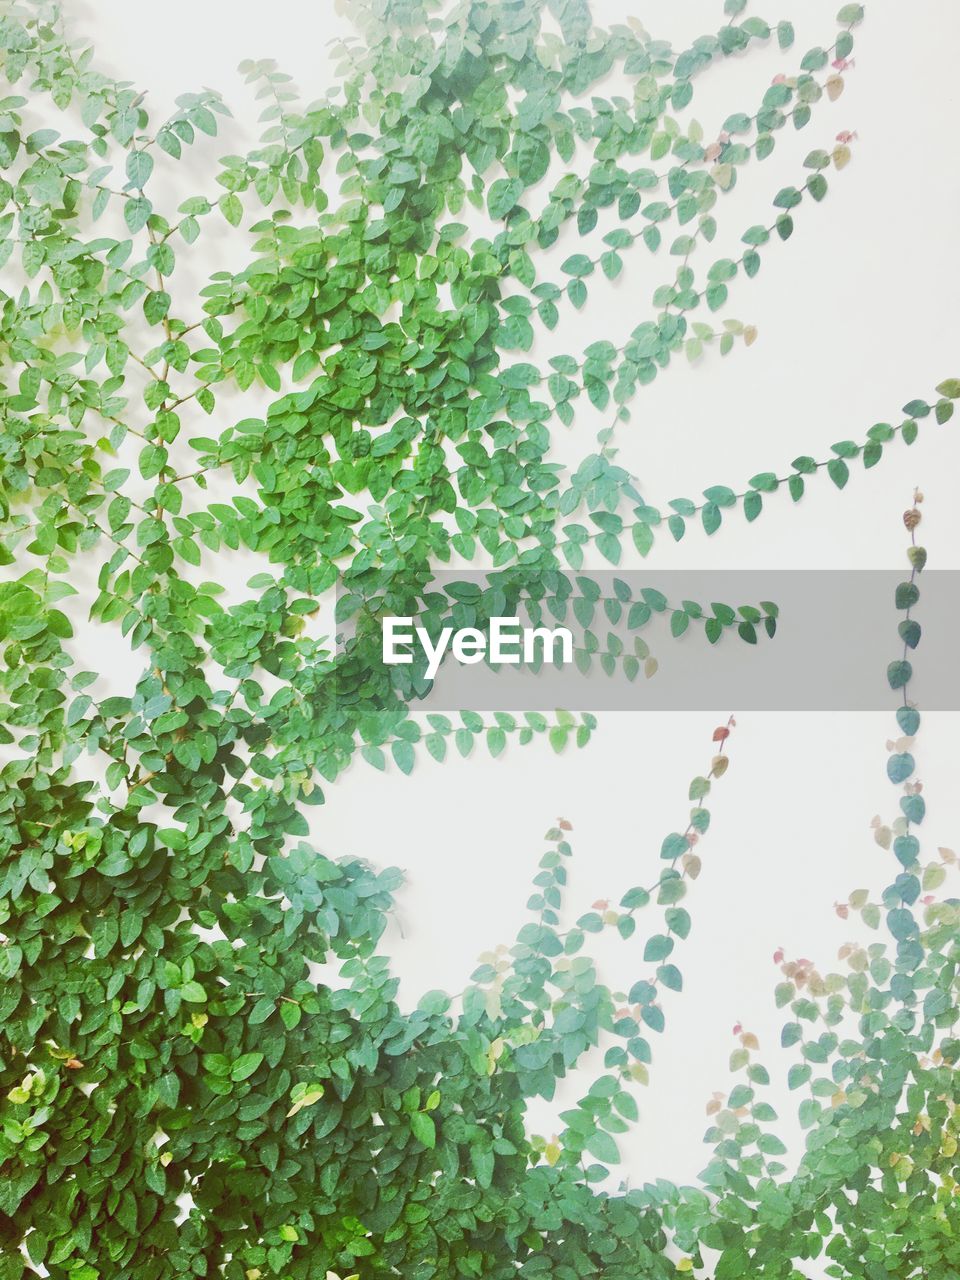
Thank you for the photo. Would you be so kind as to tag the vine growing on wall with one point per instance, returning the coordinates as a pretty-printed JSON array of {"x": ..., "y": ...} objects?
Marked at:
[{"x": 360, "y": 399}]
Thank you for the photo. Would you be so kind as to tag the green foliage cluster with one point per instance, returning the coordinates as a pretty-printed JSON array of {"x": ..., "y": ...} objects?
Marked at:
[{"x": 180, "y": 1094}]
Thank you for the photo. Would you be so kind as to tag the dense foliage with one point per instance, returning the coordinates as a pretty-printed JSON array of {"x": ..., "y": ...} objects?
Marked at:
[{"x": 181, "y": 1095}]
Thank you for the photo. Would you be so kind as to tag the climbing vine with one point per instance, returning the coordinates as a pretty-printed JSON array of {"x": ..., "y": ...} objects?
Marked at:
[{"x": 357, "y": 403}]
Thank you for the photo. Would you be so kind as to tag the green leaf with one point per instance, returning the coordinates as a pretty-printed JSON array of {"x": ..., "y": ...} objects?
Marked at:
[
  {"x": 603, "y": 1148},
  {"x": 244, "y": 1066},
  {"x": 403, "y": 754},
  {"x": 711, "y": 517},
  {"x": 900, "y": 766},
  {"x": 899, "y": 673},
  {"x": 231, "y": 208},
  {"x": 642, "y": 537},
  {"x": 752, "y": 504},
  {"x": 577, "y": 265},
  {"x": 136, "y": 212},
  {"x": 503, "y": 196},
  {"x": 658, "y": 947},
  {"x": 139, "y": 168},
  {"x": 423, "y": 1129}
]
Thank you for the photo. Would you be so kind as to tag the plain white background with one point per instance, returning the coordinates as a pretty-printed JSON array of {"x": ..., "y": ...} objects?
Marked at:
[{"x": 856, "y": 315}]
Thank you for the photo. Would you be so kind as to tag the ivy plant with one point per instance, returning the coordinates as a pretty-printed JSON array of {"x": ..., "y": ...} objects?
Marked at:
[{"x": 357, "y": 400}]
